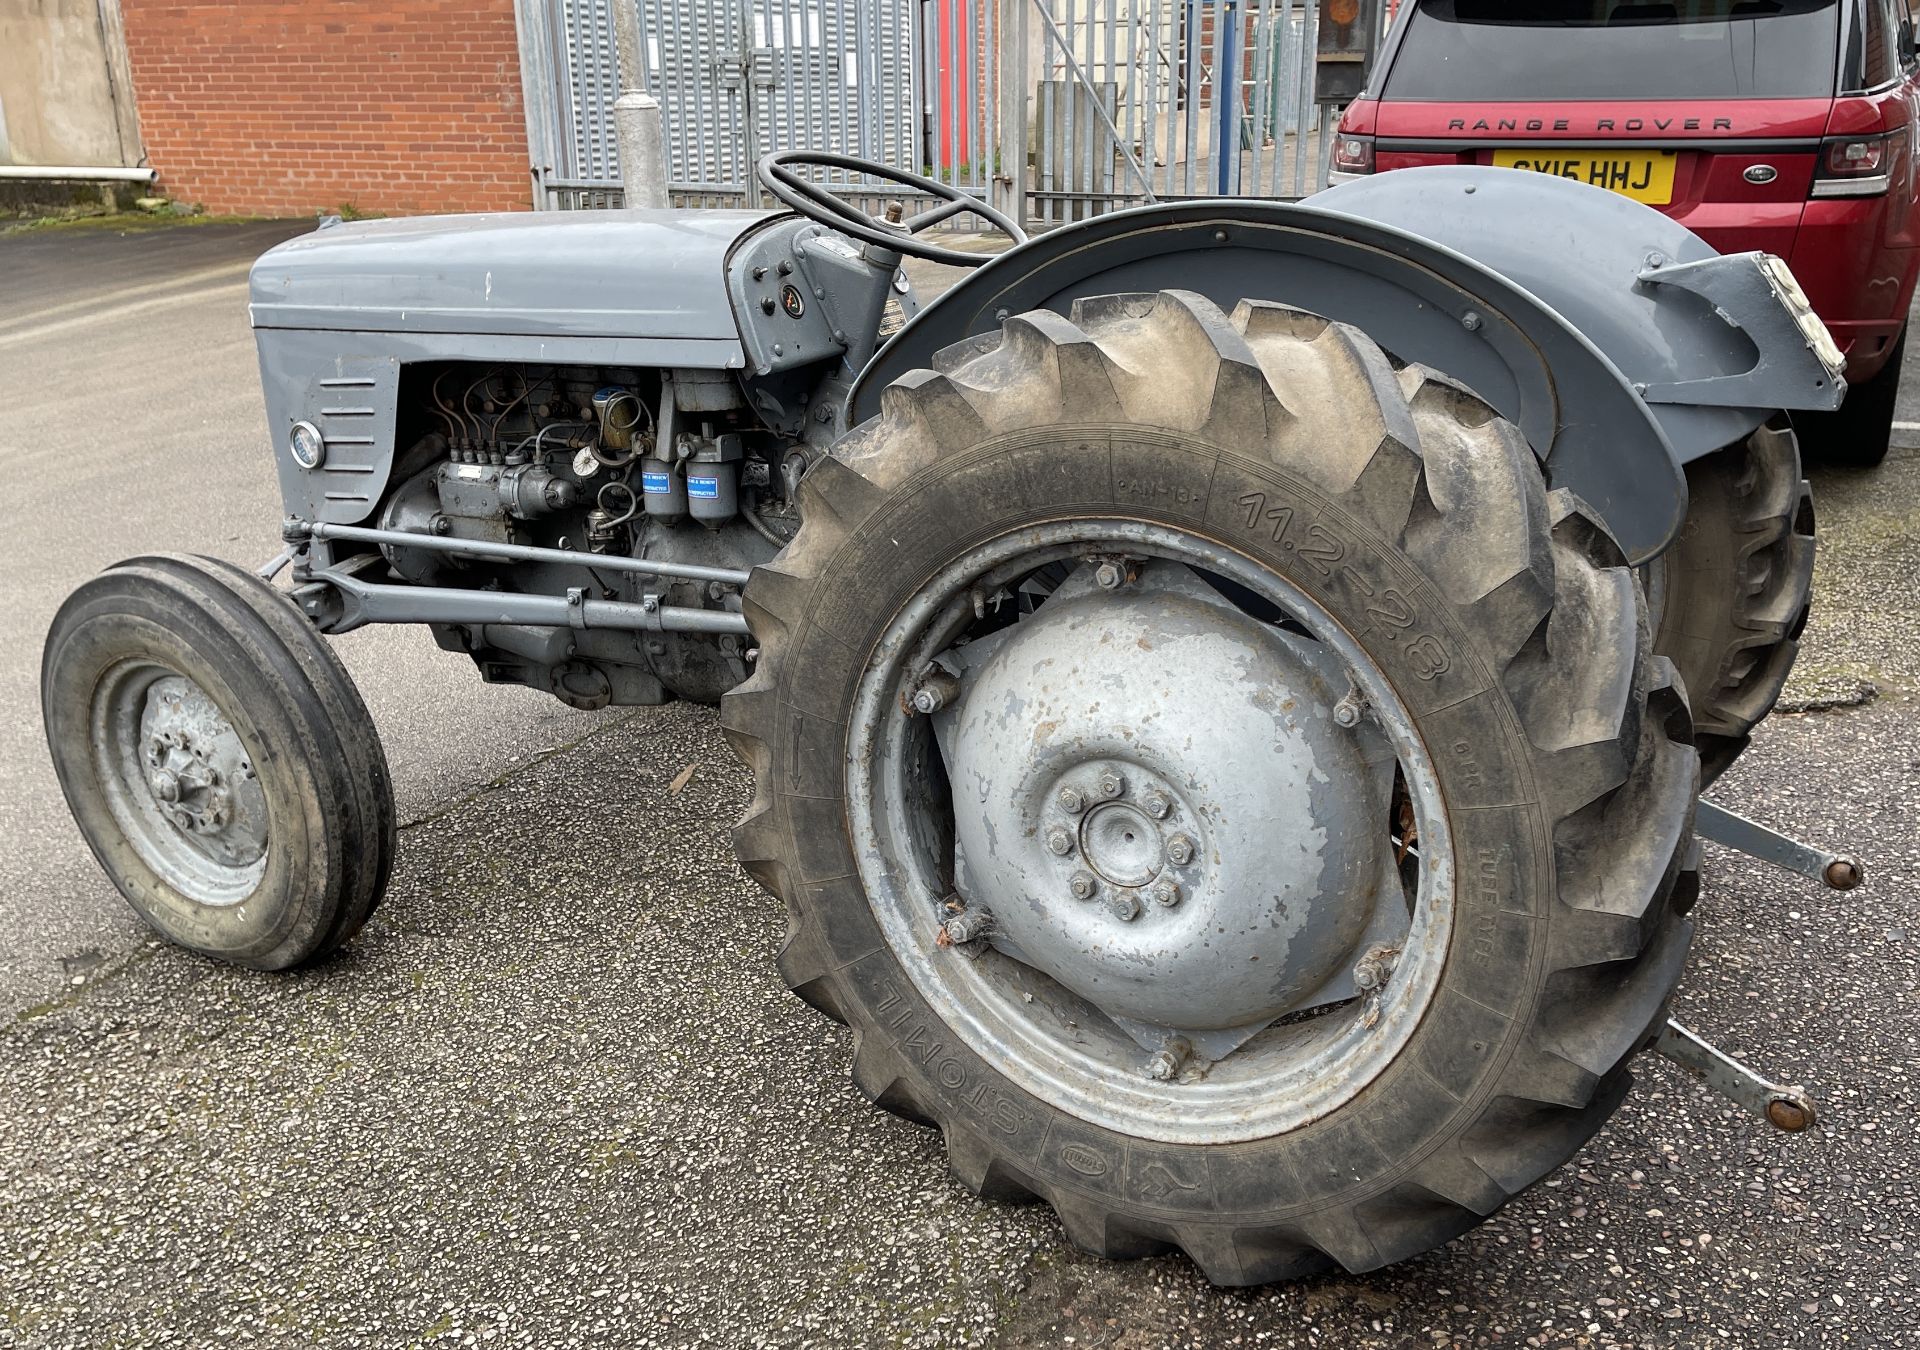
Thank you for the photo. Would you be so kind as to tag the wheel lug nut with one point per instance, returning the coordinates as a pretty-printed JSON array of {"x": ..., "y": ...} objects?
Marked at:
[
  {"x": 1107, "y": 576},
  {"x": 1169, "y": 1059},
  {"x": 1180, "y": 850},
  {"x": 1158, "y": 804},
  {"x": 1165, "y": 893},
  {"x": 1124, "y": 906},
  {"x": 1375, "y": 968},
  {"x": 1059, "y": 841},
  {"x": 1112, "y": 784},
  {"x": 1347, "y": 711},
  {"x": 1083, "y": 886},
  {"x": 966, "y": 926},
  {"x": 935, "y": 692},
  {"x": 1071, "y": 801}
]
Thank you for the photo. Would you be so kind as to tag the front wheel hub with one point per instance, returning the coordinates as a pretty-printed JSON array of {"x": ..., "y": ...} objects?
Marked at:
[
  {"x": 180, "y": 782},
  {"x": 1169, "y": 817}
]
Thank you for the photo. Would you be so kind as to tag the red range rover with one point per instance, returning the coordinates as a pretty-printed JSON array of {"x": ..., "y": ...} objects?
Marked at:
[{"x": 1783, "y": 125}]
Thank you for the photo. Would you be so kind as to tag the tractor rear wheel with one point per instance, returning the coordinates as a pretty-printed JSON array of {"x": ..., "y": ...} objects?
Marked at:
[
  {"x": 1730, "y": 598},
  {"x": 1221, "y": 787},
  {"x": 218, "y": 760}
]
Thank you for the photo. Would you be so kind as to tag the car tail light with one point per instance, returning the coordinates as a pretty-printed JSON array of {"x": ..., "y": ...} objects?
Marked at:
[
  {"x": 1853, "y": 166},
  {"x": 1352, "y": 154}
]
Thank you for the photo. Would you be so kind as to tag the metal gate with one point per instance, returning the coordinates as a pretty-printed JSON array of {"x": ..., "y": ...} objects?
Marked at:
[
  {"x": 1059, "y": 109},
  {"x": 736, "y": 78},
  {"x": 1144, "y": 100}
]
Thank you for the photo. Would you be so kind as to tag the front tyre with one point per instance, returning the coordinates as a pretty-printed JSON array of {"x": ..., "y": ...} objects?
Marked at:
[
  {"x": 218, "y": 760},
  {"x": 1219, "y": 784}
]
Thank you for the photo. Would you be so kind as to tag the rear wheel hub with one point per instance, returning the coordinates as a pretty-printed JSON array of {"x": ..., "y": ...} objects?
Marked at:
[
  {"x": 1180, "y": 762},
  {"x": 1161, "y": 842}
]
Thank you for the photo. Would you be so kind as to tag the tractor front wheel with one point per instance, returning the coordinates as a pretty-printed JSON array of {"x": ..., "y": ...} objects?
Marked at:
[
  {"x": 1221, "y": 787},
  {"x": 218, "y": 760}
]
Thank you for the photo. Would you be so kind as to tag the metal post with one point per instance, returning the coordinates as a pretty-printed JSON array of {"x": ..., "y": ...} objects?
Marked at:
[
  {"x": 1226, "y": 96},
  {"x": 639, "y": 129},
  {"x": 1191, "y": 65},
  {"x": 540, "y": 84}
]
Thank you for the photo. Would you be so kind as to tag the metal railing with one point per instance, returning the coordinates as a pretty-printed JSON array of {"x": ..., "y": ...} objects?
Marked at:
[
  {"x": 1140, "y": 100},
  {"x": 1056, "y": 109}
]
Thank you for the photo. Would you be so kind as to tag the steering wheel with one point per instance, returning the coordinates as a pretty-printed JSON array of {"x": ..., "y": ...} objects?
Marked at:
[{"x": 776, "y": 172}]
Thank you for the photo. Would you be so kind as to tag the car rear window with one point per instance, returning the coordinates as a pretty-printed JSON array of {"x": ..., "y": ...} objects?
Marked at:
[{"x": 1490, "y": 51}]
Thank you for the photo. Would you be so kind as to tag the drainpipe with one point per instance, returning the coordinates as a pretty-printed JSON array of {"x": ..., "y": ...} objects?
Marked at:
[
  {"x": 72, "y": 173},
  {"x": 639, "y": 128},
  {"x": 113, "y": 41}
]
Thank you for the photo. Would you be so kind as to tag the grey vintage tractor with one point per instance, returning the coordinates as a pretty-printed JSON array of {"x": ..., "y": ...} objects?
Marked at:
[{"x": 1227, "y": 687}]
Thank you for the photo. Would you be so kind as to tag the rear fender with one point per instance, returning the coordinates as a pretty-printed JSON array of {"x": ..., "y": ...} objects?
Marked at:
[{"x": 1495, "y": 322}]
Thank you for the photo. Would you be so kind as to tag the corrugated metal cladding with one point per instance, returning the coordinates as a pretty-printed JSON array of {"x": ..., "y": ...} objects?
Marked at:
[
  {"x": 1122, "y": 101},
  {"x": 738, "y": 78}
]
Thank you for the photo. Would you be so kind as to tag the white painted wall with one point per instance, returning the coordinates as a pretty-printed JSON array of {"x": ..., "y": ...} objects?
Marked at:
[{"x": 64, "y": 95}]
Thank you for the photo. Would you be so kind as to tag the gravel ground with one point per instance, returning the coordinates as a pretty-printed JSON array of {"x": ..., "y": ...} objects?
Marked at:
[
  {"x": 556, "y": 1095},
  {"x": 1866, "y": 613}
]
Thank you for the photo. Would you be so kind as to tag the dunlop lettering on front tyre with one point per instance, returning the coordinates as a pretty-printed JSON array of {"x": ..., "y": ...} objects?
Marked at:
[{"x": 1121, "y": 496}]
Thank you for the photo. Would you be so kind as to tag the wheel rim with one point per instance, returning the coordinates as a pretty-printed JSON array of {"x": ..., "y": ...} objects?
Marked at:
[
  {"x": 1110, "y": 915},
  {"x": 179, "y": 782}
]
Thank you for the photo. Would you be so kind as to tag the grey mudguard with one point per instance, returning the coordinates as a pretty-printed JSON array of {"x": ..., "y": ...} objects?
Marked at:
[
  {"x": 654, "y": 280},
  {"x": 1699, "y": 336},
  {"x": 1424, "y": 301}
]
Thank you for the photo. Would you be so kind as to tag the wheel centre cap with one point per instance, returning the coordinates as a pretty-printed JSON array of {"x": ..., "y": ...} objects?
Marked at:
[
  {"x": 1122, "y": 844},
  {"x": 1152, "y": 795}
]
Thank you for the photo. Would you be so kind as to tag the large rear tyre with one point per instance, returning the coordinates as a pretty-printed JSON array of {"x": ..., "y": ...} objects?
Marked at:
[
  {"x": 1220, "y": 786},
  {"x": 1730, "y": 598},
  {"x": 218, "y": 760}
]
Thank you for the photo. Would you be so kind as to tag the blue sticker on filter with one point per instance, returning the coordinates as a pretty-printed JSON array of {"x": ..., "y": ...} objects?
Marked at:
[
  {"x": 656, "y": 482},
  {"x": 707, "y": 488}
]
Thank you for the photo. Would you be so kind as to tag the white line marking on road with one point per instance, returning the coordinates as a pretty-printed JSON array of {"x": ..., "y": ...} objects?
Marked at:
[
  {"x": 14, "y": 339},
  {"x": 105, "y": 301}
]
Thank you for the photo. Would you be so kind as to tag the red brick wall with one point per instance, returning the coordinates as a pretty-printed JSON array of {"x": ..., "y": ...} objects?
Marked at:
[{"x": 270, "y": 107}]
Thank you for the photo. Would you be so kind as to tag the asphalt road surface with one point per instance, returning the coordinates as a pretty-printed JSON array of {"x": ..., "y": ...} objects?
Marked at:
[
  {"x": 556, "y": 1094},
  {"x": 131, "y": 422}
]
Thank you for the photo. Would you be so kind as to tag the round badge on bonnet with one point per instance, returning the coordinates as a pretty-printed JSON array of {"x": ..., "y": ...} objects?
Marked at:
[
  {"x": 307, "y": 446},
  {"x": 1761, "y": 173}
]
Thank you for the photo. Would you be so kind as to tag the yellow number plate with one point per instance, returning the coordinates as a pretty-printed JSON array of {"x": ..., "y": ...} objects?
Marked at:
[{"x": 1645, "y": 177}]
